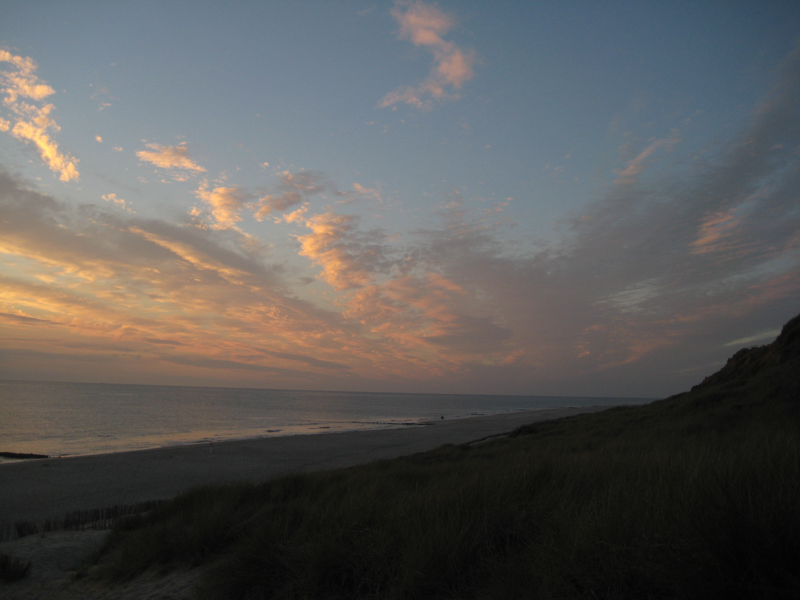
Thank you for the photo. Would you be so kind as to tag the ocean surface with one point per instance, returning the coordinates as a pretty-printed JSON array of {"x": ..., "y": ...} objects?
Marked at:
[{"x": 68, "y": 419}]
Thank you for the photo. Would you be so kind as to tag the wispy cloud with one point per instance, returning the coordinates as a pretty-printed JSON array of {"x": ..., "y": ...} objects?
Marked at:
[
  {"x": 763, "y": 337},
  {"x": 361, "y": 192},
  {"x": 430, "y": 315},
  {"x": 32, "y": 122},
  {"x": 683, "y": 262},
  {"x": 424, "y": 25},
  {"x": 116, "y": 200},
  {"x": 102, "y": 97},
  {"x": 637, "y": 164},
  {"x": 225, "y": 206},
  {"x": 201, "y": 294},
  {"x": 648, "y": 285},
  {"x": 169, "y": 157},
  {"x": 348, "y": 256},
  {"x": 292, "y": 189}
]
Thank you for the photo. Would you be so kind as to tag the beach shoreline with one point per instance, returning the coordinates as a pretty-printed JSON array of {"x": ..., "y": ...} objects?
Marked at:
[
  {"x": 61, "y": 420},
  {"x": 35, "y": 490},
  {"x": 7, "y": 457}
]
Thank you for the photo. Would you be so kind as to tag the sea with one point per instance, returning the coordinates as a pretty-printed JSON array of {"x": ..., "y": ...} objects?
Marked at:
[{"x": 70, "y": 419}]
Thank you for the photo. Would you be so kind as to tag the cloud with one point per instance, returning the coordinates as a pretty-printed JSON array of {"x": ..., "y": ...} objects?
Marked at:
[
  {"x": 651, "y": 281},
  {"x": 193, "y": 255},
  {"x": 429, "y": 311},
  {"x": 637, "y": 165},
  {"x": 33, "y": 123},
  {"x": 292, "y": 189},
  {"x": 171, "y": 293},
  {"x": 22, "y": 82},
  {"x": 640, "y": 297},
  {"x": 22, "y": 319},
  {"x": 308, "y": 360},
  {"x": 348, "y": 257},
  {"x": 36, "y": 132},
  {"x": 225, "y": 203},
  {"x": 215, "y": 363},
  {"x": 118, "y": 201},
  {"x": 716, "y": 232},
  {"x": 360, "y": 192},
  {"x": 764, "y": 337},
  {"x": 424, "y": 25},
  {"x": 228, "y": 204},
  {"x": 169, "y": 157},
  {"x": 401, "y": 296},
  {"x": 101, "y": 96}
]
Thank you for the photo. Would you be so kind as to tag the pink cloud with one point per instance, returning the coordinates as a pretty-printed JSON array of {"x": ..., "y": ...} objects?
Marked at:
[
  {"x": 330, "y": 245},
  {"x": 642, "y": 296},
  {"x": 225, "y": 202},
  {"x": 169, "y": 157},
  {"x": 33, "y": 123},
  {"x": 292, "y": 189},
  {"x": 424, "y": 25}
]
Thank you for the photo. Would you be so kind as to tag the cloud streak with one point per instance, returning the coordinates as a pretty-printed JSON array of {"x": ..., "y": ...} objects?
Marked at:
[
  {"x": 32, "y": 122},
  {"x": 169, "y": 157},
  {"x": 142, "y": 279}
]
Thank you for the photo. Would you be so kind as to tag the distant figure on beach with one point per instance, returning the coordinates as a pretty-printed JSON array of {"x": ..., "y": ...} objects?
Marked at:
[{"x": 211, "y": 447}]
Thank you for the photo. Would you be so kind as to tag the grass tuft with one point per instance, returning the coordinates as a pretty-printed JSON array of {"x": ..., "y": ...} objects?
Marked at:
[{"x": 13, "y": 569}]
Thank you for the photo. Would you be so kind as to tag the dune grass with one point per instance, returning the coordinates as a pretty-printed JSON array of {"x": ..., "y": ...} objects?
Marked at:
[
  {"x": 693, "y": 497},
  {"x": 12, "y": 568},
  {"x": 96, "y": 518}
]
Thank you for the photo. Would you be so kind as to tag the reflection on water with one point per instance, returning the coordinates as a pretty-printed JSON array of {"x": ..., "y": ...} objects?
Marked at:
[{"x": 61, "y": 419}]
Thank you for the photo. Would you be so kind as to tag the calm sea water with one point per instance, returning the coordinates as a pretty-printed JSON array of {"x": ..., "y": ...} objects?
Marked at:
[{"x": 63, "y": 419}]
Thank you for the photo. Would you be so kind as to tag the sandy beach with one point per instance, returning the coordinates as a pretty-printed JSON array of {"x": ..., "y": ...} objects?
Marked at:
[{"x": 38, "y": 489}]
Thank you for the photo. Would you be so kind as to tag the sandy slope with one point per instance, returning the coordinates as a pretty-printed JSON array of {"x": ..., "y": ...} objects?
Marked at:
[{"x": 57, "y": 556}]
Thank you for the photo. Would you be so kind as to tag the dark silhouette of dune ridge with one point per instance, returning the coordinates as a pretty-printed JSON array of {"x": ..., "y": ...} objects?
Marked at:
[{"x": 769, "y": 372}]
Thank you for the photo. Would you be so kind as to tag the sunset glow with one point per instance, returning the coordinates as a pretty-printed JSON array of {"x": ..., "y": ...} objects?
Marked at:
[{"x": 528, "y": 198}]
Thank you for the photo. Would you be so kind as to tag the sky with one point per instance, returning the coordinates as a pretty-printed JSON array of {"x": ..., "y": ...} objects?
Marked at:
[{"x": 539, "y": 198}]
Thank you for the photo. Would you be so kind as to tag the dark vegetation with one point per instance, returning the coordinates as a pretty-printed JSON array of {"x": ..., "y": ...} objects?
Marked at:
[
  {"x": 96, "y": 518},
  {"x": 13, "y": 569},
  {"x": 696, "y": 496}
]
